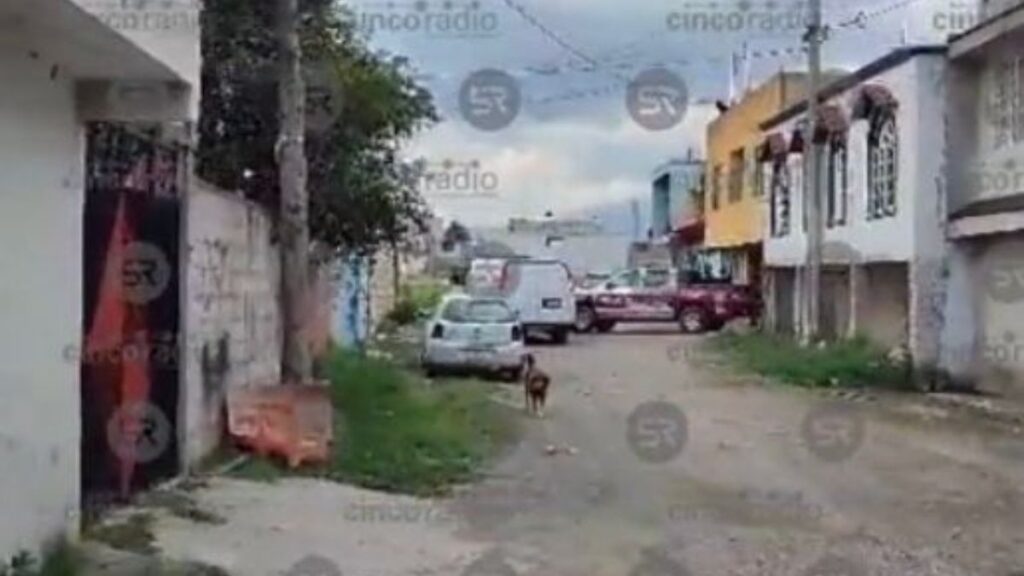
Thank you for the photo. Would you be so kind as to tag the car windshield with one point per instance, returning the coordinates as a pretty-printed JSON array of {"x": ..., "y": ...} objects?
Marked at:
[{"x": 477, "y": 311}]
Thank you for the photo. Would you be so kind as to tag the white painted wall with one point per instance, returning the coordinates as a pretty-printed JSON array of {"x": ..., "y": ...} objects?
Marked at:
[
  {"x": 41, "y": 151},
  {"x": 232, "y": 296},
  {"x": 981, "y": 339},
  {"x": 910, "y": 232},
  {"x": 168, "y": 30}
]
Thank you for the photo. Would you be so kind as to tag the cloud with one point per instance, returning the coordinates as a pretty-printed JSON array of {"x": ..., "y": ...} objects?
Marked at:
[{"x": 573, "y": 145}]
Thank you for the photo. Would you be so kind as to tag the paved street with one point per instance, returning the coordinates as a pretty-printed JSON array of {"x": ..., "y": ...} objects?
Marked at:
[{"x": 763, "y": 480}]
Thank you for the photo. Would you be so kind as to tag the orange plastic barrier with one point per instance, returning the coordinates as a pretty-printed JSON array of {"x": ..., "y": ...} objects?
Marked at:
[{"x": 292, "y": 422}]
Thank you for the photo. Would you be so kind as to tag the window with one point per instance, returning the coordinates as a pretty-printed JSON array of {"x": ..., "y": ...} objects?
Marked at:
[
  {"x": 656, "y": 278},
  {"x": 780, "y": 198},
  {"x": 838, "y": 185},
  {"x": 883, "y": 166},
  {"x": 736, "y": 171},
  {"x": 716, "y": 186},
  {"x": 626, "y": 279},
  {"x": 1007, "y": 104},
  {"x": 758, "y": 174},
  {"x": 464, "y": 310}
]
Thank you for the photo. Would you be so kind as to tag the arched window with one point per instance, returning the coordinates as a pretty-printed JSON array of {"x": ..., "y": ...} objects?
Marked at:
[
  {"x": 883, "y": 165},
  {"x": 780, "y": 198},
  {"x": 837, "y": 181}
]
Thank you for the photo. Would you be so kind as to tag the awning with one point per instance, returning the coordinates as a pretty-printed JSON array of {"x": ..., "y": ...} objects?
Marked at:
[
  {"x": 774, "y": 146},
  {"x": 689, "y": 233},
  {"x": 873, "y": 98},
  {"x": 831, "y": 122},
  {"x": 76, "y": 43}
]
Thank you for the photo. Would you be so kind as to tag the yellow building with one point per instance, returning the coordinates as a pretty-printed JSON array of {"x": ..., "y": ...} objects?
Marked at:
[{"x": 735, "y": 188}]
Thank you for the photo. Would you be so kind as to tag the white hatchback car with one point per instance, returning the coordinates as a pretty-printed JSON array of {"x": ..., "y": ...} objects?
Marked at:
[{"x": 474, "y": 333}]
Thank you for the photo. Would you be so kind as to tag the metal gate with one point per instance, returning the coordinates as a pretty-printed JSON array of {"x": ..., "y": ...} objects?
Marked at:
[{"x": 131, "y": 349}]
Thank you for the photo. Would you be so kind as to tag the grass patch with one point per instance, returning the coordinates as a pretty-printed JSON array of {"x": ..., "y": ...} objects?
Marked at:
[
  {"x": 395, "y": 433},
  {"x": 60, "y": 560},
  {"x": 133, "y": 534},
  {"x": 418, "y": 299},
  {"x": 850, "y": 363}
]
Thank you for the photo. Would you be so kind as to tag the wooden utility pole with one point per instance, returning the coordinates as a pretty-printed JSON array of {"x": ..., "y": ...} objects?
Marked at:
[
  {"x": 812, "y": 198},
  {"x": 296, "y": 362}
]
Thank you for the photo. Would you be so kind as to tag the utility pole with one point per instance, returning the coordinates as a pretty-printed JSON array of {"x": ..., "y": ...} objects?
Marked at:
[
  {"x": 812, "y": 198},
  {"x": 296, "y": 363}
]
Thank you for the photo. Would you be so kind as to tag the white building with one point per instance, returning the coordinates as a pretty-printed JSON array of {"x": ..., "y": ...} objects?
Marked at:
[
  {"x": 62, "y": 70},
  {"x": 982, "y": 342},
  {"x": 880, "y": 130}
]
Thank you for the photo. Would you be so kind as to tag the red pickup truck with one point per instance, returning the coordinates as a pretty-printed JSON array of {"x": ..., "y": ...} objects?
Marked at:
[{"x": 662, "y": 295}]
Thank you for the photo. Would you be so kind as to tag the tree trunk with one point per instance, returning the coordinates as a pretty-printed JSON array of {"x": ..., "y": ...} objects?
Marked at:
[
  {"x": 296, "y": 362},
  {"x": 396, "y": 271}
]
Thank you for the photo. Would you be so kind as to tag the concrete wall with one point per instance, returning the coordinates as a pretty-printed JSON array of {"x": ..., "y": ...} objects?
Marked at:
[
  {"x": 168, "y": 30},
  {"x": 231, "y": 314},
  {"x": 916, "y": 228},
  {"x": 41, "y": 152},
  {"x": 737, "y": 223},
  {"x": 981, "y": 338},
  {"x": 904, "y": 256}
]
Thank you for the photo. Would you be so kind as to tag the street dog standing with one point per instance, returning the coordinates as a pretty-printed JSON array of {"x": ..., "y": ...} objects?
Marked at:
[{"x": 535, "y": 387}]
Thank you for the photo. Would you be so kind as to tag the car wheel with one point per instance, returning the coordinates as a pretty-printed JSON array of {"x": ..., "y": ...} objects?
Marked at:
[
  {"x": 691, "y": 320},
  {"x": 604, "y": 326},
  {"x": 585, "y": 318},
  {"x": 560, "y": 335}
]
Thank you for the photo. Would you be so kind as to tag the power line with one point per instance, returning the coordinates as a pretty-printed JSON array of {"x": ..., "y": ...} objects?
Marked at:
[
  {"x": 861, "y": 18},
  {"x": 558, "y": 39}
]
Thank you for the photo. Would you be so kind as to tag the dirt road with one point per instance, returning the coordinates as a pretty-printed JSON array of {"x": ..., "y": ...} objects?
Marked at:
[{"x": 651, "y": 461}]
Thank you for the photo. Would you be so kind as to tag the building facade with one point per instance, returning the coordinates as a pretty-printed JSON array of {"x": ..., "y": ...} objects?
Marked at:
[
  {"x": 878, "y": 131},
  {"x": 982, "y": 341},
  {"x": 733, "y": 193},
  {"x": 677, "y": 216},
  {"x": 68, "y": 79}
]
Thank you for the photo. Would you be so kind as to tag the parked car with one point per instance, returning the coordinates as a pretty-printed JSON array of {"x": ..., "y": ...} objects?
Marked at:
[
  {"x": 472, "y": 333},
  {"x": 663, "y": 295},
  {"x": 541, "y": 292}
]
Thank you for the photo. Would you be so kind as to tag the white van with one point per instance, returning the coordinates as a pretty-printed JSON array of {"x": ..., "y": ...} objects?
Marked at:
[{"x": 541, "y": 292}]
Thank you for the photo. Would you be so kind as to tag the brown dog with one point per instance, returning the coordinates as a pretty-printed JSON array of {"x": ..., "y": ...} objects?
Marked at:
[{"x": 535, "y": 386}]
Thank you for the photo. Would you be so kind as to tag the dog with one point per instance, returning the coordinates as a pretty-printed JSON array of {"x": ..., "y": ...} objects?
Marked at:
[{"x": 535, "y": 386}]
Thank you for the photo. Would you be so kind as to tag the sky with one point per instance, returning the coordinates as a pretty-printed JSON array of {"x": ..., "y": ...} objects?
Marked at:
[{"x": 572, "y": 145}]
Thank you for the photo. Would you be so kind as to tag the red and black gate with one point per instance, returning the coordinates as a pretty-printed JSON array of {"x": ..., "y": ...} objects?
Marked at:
[{"x": 131, "y": 349}]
